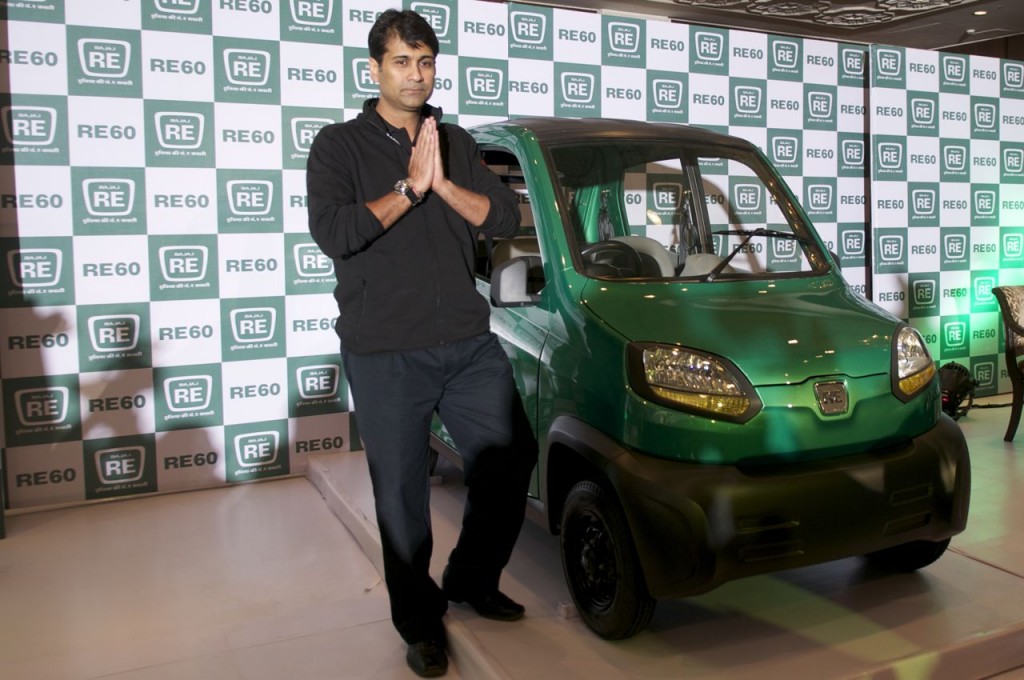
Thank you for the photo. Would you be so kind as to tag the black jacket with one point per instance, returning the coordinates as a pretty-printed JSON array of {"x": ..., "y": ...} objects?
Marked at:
[{"x": 411, "y": 286}]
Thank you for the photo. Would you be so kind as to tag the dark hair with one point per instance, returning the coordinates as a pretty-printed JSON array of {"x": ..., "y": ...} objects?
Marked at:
[{"x": 407, "y": 25}]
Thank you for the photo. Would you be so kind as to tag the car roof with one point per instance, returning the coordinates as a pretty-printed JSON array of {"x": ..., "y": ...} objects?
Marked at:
[{"x": 551, "y": 130}]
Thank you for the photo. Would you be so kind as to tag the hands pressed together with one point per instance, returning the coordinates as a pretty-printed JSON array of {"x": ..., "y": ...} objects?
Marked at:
[
  {"x": 426, "y": 174},
  {"x": 425, "y": 168}
]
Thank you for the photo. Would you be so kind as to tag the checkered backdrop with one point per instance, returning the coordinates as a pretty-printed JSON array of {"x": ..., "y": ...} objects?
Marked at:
[
  {"x": 167, "y": 320},
  {"x": 947, "y": 198}
]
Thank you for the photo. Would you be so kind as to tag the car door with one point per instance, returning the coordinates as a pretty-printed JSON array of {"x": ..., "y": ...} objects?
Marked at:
[{"x": 522, "y": 331}]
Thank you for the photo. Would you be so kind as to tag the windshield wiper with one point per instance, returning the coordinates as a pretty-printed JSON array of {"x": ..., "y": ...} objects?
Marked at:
[{"x": 760, "y": 231}]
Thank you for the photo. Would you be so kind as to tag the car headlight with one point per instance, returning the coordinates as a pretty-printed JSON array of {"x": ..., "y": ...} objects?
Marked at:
[
  {"x": 693, "y": 381},
  {"x": 913, "y": 367}
]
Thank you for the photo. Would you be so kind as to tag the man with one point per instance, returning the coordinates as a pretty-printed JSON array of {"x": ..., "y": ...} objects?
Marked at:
[{"x": 398, "y": 200}]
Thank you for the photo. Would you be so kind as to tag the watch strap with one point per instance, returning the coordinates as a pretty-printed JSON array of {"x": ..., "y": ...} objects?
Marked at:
[{"x": 404, "y": 187}]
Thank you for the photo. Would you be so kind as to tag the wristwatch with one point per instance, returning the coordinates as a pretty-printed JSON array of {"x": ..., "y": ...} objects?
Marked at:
[{"x": 404, "y": 187}]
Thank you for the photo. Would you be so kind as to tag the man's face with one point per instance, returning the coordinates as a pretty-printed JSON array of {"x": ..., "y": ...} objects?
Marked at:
[{"x": 405, "y": 75}]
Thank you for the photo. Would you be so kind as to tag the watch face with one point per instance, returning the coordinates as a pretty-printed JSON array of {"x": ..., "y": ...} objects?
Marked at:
[{"x": 405, "y": 188}]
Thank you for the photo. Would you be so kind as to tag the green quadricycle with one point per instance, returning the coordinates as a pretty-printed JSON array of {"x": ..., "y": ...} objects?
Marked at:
[{"x": 711, "y": 398}]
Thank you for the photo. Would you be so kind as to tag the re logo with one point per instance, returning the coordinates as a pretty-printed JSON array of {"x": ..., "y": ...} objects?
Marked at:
[
  {"x": 184, "y": 7},
  {"x": 890, "y": 155},
  {"x": 923, "y": 292},
  {"x": 41, "y": 406},
  {"x": 708, "y": 46},
  {"x": 954, "y": 247},
  {"x": 109, "y": 197},
  {"x": 304, "y": 131},
  {"x": 188, "y": 393},
  {"x": 1013, "y": 76},
  {"x": 484, "y": 87},
  {"x": 183, "y": 264},
  {"x": 114, "y": 333},
  {"x": 29, "y": 125},
  {"x": 853, "y": 152},
  {"x": 361, "y": 77},
  {"x": 318, "y": 382},
  {"x": 438, "y": 16},
  {"x": 747, "y": 197},
  {"x": 985, "y": 202},
  {"x": 922, "y": 112},
  {"x": 247, "y": 68},
  {"x": 624, "y": 37},
  {"x": 528, "y": 28},
  {"x": 923, "y": 203},
  {"x": 1013, "y": 245},
  {"x": 310, "y": 261},
  {"x": 747, "y": 99},
  {"x": 853, "y": 243},
  {"x": 983, "y": 286},
  {"x": 819, "y": 105},
  {"x": 668, "y": 94},
  {"x": 785, "y": 54},
  {"x": 709, "y": 51},
  {"x": 104, "y": 58},
  {"x": 954, "y": 158},
  {"x": 120, "y": 465},
  {"x": 35, "y": 267},
  {"x": 985, "y": 374},
  {"x": 254, "y": 449},
  {"x": 666, "y": 196},
  {"x": 820, "y": 197},
  {"x": 312, "y": 12},
  {"x": 890, "y": 63},
  {"x": 578, "y": 88},
  {"x": 785, "y": 150},
  {"x": 955, "y": 334},
  {"x": 247, "y": 198},
  {"x": 1013, "y": 160},
  {"x": 784, "y": 248},
  {"x": 485, "y": 84},
  {"x": 256, "y": 324},
  {"x": 954, "y": 69},
  {"x": 891, "y": 247},
  {"x": 180, "y": 129},
  {"x": 853, "y": 62},
  {"x": 984, "y": 116}
]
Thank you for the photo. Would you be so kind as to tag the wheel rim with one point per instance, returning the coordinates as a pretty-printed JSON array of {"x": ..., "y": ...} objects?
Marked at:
[{"x": 594, "y": 567}]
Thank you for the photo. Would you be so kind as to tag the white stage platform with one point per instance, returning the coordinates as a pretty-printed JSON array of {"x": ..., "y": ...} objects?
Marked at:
[{"x": 963, "y": 617}]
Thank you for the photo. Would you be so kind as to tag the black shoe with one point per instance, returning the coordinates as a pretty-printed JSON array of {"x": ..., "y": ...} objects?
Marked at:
[
  {"x": 427, "y": 659},
  {"x": 496, "y": 605}
]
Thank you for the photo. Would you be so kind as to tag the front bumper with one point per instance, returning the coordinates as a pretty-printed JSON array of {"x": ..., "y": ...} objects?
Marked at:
[{"x": 698, "y": 526}]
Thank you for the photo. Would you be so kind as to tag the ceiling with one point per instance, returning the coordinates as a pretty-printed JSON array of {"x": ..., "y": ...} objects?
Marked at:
[{"x": 922, "y": 24}]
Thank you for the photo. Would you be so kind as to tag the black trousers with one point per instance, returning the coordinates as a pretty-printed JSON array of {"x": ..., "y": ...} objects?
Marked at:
[{"x": 470, "y": 385}]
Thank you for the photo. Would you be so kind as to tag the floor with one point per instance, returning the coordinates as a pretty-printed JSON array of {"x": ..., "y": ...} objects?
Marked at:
[{"x": 279, "y": 580}]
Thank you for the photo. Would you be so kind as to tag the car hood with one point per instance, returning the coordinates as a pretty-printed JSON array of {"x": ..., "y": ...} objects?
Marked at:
[{"x": 777, "y": 332}]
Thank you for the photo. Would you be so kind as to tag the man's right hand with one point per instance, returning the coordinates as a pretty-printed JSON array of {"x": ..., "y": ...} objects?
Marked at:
[{"x": 426, "y": 158}]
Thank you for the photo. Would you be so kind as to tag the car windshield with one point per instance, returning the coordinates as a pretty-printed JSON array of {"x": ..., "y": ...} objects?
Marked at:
[{"x": 651, "y": 209}]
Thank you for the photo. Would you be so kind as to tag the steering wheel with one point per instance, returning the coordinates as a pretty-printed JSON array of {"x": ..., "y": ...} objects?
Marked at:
[{"x": 611, "y": 258}]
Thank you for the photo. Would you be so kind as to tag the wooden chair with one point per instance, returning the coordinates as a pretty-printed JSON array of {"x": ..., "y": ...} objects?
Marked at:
[{"x": 1011, "y": 303}]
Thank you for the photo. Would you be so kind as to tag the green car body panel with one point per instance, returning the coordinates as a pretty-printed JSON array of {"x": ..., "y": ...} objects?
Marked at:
[{"x": 709, "y": 498}]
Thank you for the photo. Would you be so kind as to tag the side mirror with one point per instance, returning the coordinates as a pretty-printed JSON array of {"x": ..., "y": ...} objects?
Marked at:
[{"x": 517, "y": 282}]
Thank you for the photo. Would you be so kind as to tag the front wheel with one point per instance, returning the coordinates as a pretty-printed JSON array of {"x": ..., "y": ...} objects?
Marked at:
[
  {"x": 601, "y": 565},
  {"x": 909, "y": 556}
]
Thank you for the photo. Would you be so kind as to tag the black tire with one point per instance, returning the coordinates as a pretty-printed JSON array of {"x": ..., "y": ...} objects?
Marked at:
[
  {"x": 601, "y": 565},
  {"x": 908, "y": 557}
]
